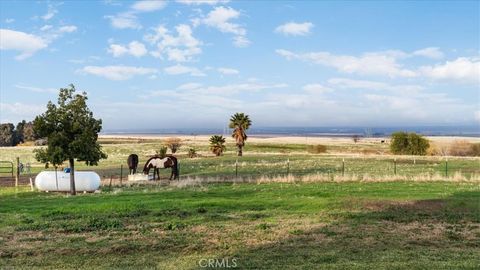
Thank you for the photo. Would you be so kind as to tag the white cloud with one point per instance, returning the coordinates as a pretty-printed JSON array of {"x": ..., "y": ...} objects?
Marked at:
[
  {"x": 15, "y": 112},
  {"x": 134, "y": 48},
  {"x": 9, "y": 20},
  {"x": 36, "y": 89},
  {"x": 189, "y": 86},
  {"x": 117, "y": 73},
  {"x": 46, "y": 27},
  {"x": 228, "y": 71},
  {"x": 126, "y": 20},
  {"x": 476, "y": 116},
  {"x": 373, "y": 63},
  {"x": 316, "y": 88},
  {"x": 50, "y": 13},
  {"x": 180, "y": 48},
  {"x": 462, "y": 69},
  {"x": 180, "y": 69},
  {"x": 295, "y": 29},
  {"x": 67, "y": 29},
  {"x": 26, "y": 44},
  {"x": 129, "y": 18},
  {"x": 430, "y": 52},
  {"x": 148, "y": 6},
  {"x": 202, "y": 2},
  {"x": 220, "y": 18}
]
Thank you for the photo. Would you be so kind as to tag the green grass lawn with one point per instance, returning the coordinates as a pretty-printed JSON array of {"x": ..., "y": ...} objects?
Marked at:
[{"x": 394, "y": 225}]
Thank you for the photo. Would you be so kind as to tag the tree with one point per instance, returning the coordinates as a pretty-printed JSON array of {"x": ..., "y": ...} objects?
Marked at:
[
  {"x": 240, "y": 123},
  {"x": 8, "y": 136},
  {"x": 29, "y": 132},
  {"x": 217, "y": 144},
  {"x": 173, "y": 144},
  {"x": 20, "y": 129},
  {"x": 355, "y": 138},
  {"x": 404, "y": 143},
  {"x": 71, "y": 131}
]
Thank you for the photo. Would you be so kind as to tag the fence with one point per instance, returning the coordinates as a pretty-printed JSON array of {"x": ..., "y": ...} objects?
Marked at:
[{"x": 231, "y": 167}]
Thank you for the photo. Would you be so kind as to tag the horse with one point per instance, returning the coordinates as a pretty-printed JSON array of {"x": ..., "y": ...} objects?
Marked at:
[
  {"x": 161, "y": 163},
  {"x": 132, "y": 163}
]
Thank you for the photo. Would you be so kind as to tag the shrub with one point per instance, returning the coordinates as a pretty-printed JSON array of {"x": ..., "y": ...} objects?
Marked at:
[
  {"x": 317, "y": 149},
  {"x": 162, "y": 152},
  {"x": 173, "y": 144},
  {"x": 404, "y": 143},
  {"x": 192, "y": 153},
  {"x": 475, "y": 149}
]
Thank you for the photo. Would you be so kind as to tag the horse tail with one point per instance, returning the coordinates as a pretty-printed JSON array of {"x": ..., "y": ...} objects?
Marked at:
[{"x": 175, "y": 168}]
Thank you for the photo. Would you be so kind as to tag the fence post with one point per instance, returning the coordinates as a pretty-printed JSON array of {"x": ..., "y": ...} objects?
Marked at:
[
  {"x": 236, "y": 168},
  {"x": 395, "y": 166},
  {"x": 288, "y": 166},
  {"x": 446, "y": 167},
  {"x": 121, "y": 174},
  {"x": 17, "y": 176}
]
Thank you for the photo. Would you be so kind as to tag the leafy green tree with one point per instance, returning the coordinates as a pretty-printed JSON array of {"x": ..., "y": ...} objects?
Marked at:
[
  {"x": 404, "y": 143},
  {"x": 240, "y": 123},
  {"x": 217, "y": 144},
  {"x": 72, "y": 132},
  {"x": 162, "y": 153},
  {"x": 8, "y": 136}
]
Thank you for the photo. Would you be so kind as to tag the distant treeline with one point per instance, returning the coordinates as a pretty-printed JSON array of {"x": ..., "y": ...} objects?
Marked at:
[{"x": 11, "y": 135}]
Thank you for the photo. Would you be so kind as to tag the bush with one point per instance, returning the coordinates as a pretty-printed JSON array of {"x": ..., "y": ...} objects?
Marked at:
[
  {"x": 173, "y": 144},
  {"x": 404, "y": 143},
  {"x": 475, "y": 149},
  {"x": 317, "y": 149},
  {"x": 192, "y": 153},
  {"x": 8, "y": 135},
  {"x": 162, "y": 152}
]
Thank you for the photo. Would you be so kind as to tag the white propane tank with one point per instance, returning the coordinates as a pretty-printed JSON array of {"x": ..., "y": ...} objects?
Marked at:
[{"x": 84, "y": 181}]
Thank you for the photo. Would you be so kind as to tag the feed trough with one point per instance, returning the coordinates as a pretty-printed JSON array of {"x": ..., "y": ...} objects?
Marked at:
[
  {"x": 87, "y": 181},
  {"x": 139, "y": 177}
]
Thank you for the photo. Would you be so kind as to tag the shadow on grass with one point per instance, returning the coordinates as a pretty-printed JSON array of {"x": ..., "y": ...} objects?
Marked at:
[{"x": 426, "y": 234}]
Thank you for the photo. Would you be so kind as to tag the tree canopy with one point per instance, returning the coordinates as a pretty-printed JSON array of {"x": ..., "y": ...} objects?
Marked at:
[
  {"x": 240, "y": 123},
  {"x": 404, "y": 143},
  {"x": 71, "y": 130}
]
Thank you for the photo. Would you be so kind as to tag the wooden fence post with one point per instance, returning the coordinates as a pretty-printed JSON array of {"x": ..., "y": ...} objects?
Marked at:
[
  {"x": 446, "y": 167},
  {"x": 288, "y": 166},
  {"x": 343, "y": 167},
  {"x": 236, "y": 168},
  {"x": 17, "y": 176},
  {"x": 121, "y": 174},
  {"x": 395, "y": 166}
]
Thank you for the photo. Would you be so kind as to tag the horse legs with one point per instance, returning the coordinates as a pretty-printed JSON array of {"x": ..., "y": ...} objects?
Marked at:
[{"x": 158, "y": 173}]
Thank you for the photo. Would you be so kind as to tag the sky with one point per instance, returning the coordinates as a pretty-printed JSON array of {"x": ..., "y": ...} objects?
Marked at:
[{"x": 191, "y": 64}]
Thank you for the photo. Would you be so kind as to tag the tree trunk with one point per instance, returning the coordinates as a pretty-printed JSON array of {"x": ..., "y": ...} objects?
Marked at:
[
  {"x": 72, "y": 176},
  {"x": 240, "y": 150}
]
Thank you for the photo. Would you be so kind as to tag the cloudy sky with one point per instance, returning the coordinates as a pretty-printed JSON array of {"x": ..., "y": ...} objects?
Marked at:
[{"x": 177, "y": 64}]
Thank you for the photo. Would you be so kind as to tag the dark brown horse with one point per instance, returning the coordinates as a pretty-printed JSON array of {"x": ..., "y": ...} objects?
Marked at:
[
  {"x": 161, "y": 163},
  {"x": 132, "y": 162}
]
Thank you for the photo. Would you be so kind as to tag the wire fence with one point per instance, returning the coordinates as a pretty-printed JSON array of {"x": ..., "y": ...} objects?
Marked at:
[{"x": 273, "y": 166}]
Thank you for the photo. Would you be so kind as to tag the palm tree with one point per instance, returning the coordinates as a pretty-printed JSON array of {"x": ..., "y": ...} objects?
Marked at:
[
  {"x": 240, "y": 122},
  {"x": 217, "y": 144}
]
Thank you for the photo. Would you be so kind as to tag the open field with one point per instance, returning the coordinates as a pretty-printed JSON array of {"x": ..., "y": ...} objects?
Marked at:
[
  {"x": 273, "y": 157},
  {"x": 288, "y": 208},
  {"x": 397, "y": 225}
]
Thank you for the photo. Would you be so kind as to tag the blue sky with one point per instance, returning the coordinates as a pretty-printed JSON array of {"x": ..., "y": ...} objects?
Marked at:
[{"x": 177, "y": 64}]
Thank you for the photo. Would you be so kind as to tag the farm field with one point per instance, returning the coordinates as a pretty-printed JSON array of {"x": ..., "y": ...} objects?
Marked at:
[
  {"x": 394, "y": 225},
  {"x": 272, "y": 157}
]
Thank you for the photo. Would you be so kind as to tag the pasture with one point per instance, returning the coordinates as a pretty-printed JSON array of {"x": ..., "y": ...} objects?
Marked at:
[
  {"x": 394, "y": 225},
  {"x": 287, "y": 208}
]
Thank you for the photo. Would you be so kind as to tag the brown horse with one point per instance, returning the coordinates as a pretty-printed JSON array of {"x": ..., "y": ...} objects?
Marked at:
[
  {"x": 132, "y": 162},
  {"x": 161, "y": 163}
]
